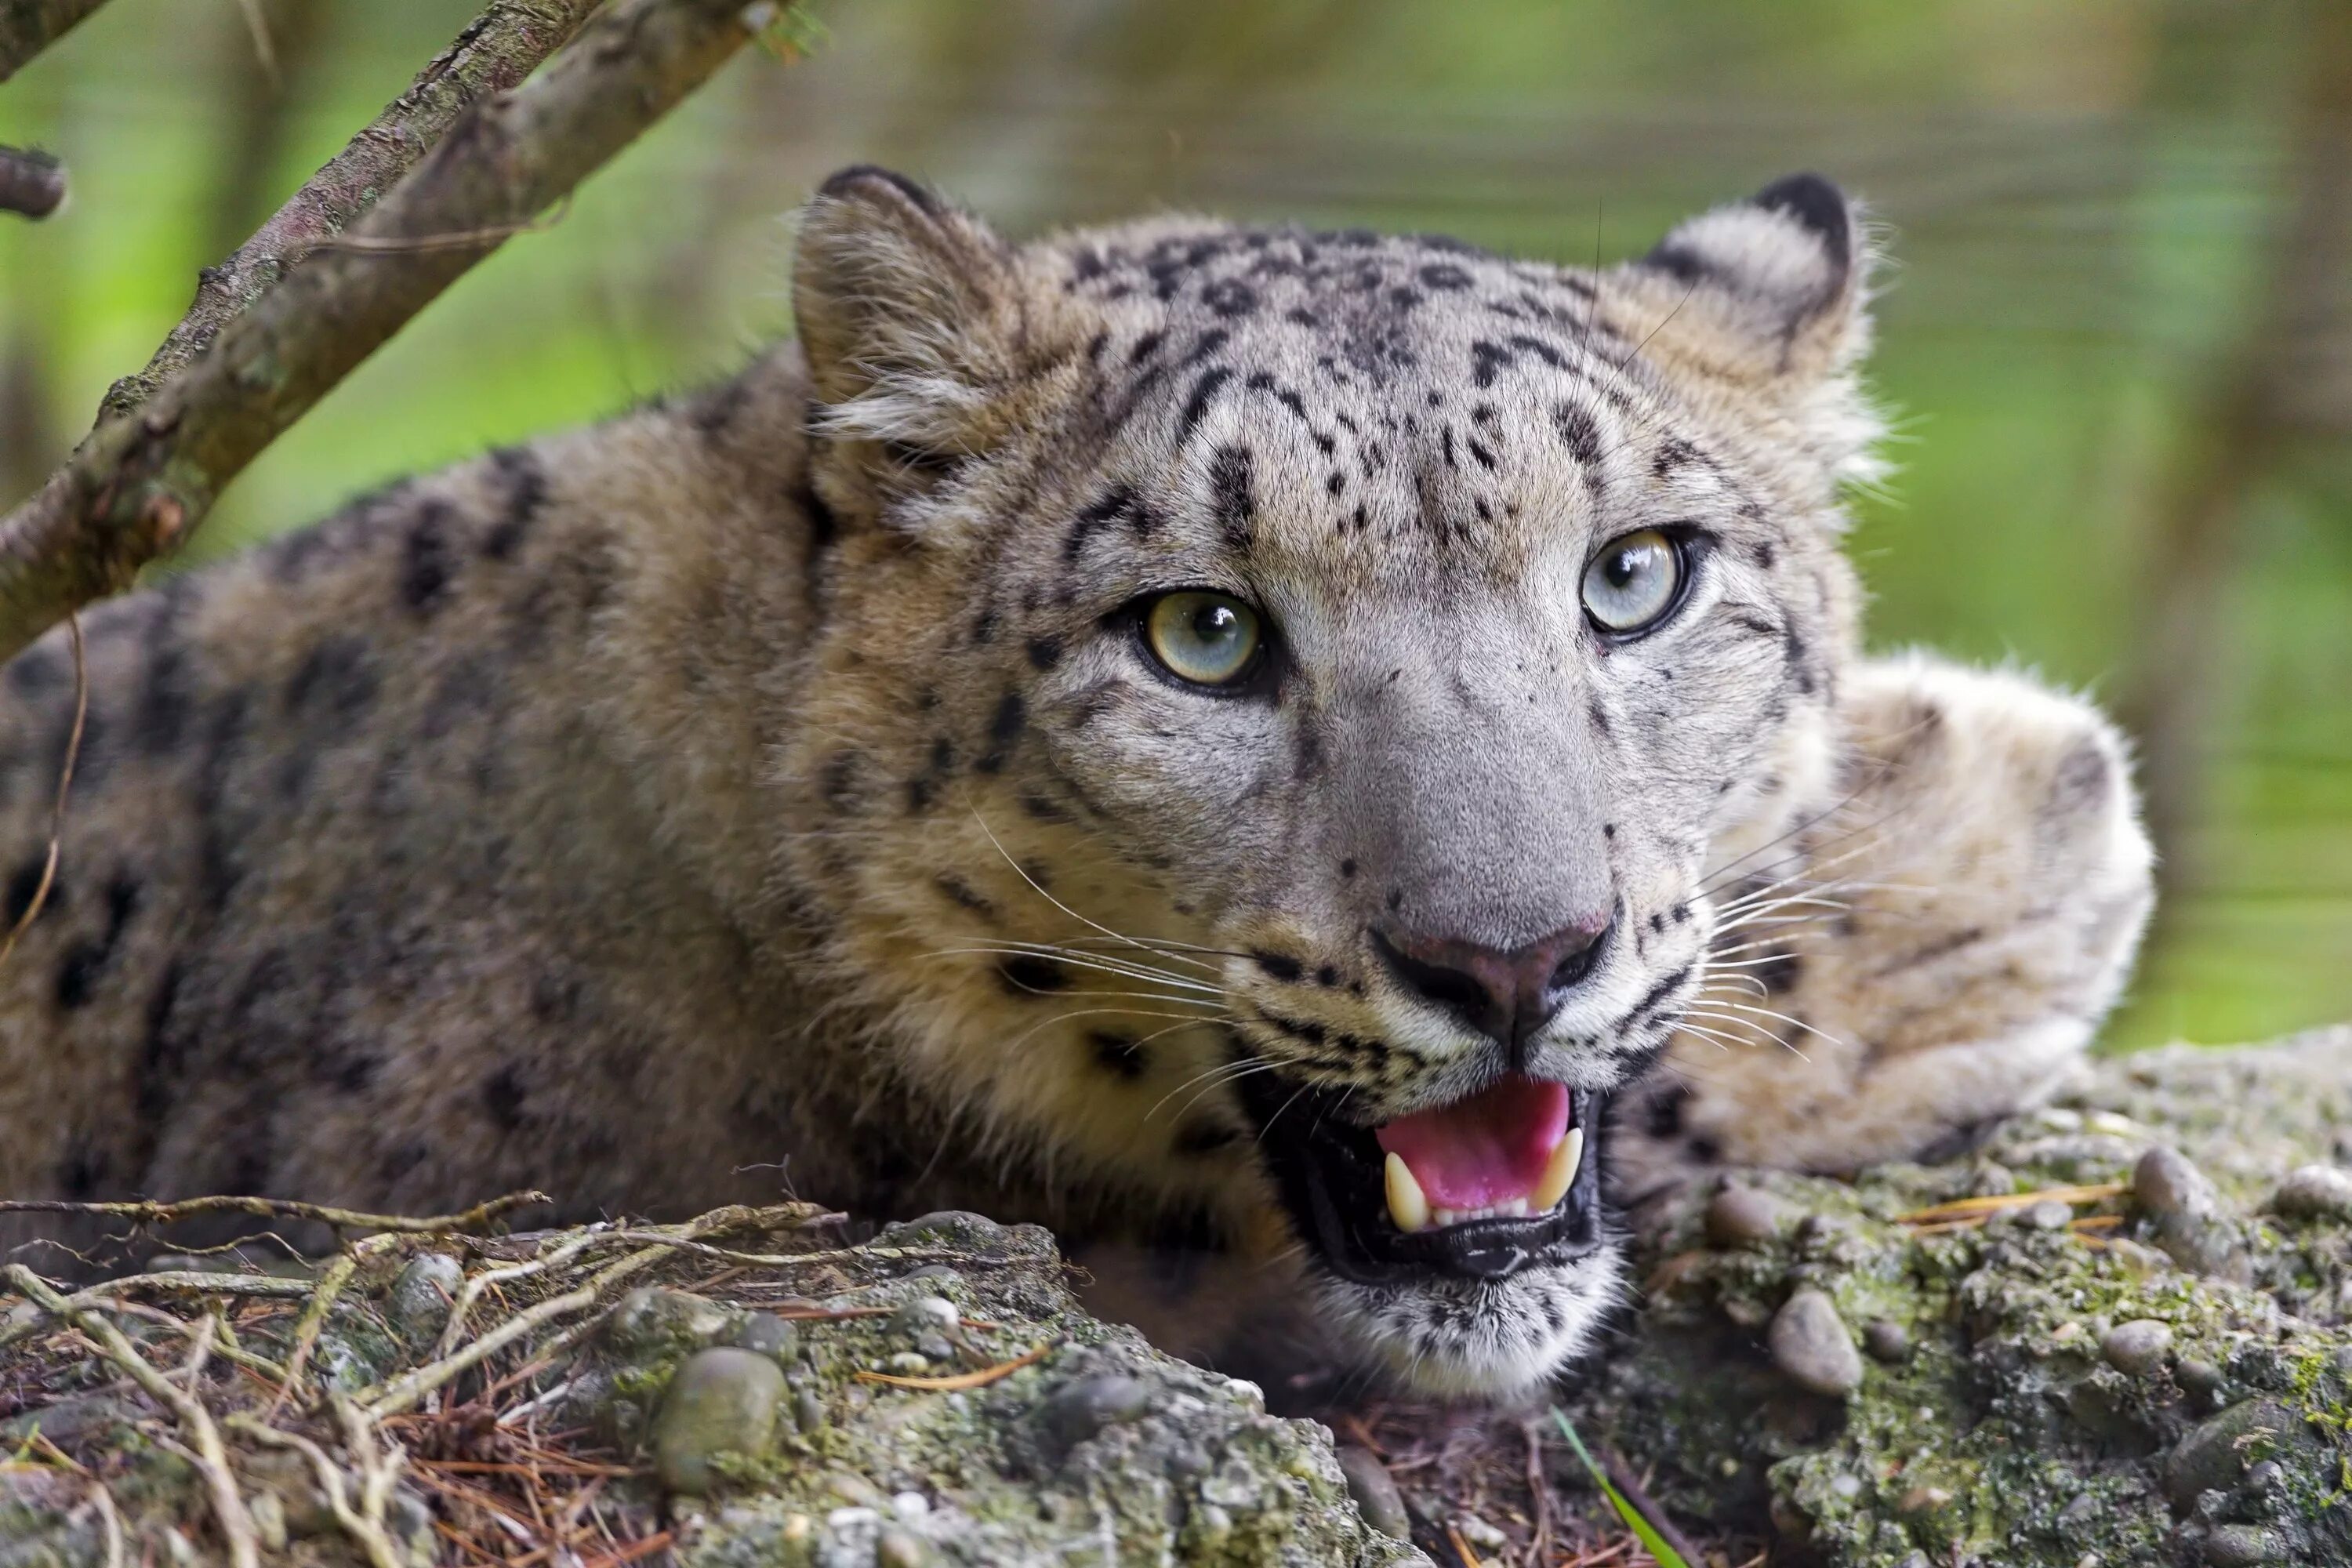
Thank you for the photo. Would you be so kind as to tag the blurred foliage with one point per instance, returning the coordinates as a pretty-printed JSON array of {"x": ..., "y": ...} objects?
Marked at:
[{"x": 2087, "y": 201}]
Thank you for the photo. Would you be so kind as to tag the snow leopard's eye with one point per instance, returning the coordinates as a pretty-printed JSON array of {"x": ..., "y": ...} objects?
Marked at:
[
  {"x": 1207, "y": 638},
  {"x": 1633, "y": 580}
]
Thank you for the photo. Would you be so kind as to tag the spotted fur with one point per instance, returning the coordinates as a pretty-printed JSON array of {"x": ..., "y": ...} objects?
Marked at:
[{"x": 770, "y": 788}]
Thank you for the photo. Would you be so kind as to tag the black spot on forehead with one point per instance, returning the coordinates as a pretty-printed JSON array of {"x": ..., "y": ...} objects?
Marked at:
[
  {"x": 1230, "y": 497},
  {"x": 1204, "y": 393},
  {"x": 1579, "y": 432}
]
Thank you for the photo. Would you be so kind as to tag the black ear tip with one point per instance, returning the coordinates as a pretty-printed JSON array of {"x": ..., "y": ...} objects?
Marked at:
[
  {"x": 862, "y": 180},
  {"x": 1813, "y": 201}
]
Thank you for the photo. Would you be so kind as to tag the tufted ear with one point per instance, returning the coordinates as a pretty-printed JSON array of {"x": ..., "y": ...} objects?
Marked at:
[
  {"x": 907, "y": 313},
  {"x": 1770, "y": 297}
]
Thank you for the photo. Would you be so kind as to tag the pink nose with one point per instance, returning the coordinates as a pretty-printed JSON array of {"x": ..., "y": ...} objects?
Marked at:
[{"x": 1506, "y": 994}]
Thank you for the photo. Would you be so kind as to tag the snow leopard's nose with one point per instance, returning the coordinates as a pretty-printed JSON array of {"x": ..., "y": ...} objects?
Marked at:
[{"x": 1507, "y": 995}]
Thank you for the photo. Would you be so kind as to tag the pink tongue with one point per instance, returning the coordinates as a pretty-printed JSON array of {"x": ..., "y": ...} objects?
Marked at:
[{"x": 1486, "y": 1149}]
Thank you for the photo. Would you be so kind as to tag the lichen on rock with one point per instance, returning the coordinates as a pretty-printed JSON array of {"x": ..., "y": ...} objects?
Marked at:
[{"x": 2114, "y": 1333}]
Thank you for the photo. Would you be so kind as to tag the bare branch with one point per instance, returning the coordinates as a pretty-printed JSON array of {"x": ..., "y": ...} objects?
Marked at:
[
  {"x": 28, "y": 27},
  {"x": 31, "y": 182},
  {"x": 498, "y": 49},
  {"x": 474, "y": 1219},
  {"x": 140, "y": 483}
]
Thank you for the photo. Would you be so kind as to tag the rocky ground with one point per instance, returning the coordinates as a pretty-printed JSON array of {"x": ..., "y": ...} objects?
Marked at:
[{"x": 2117, "y": 1335}]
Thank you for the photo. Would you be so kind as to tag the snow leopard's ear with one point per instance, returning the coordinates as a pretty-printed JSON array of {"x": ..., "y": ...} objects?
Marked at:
[
  {"x": 909, "y": 313},
  {"x": 1769, "y": 299}
]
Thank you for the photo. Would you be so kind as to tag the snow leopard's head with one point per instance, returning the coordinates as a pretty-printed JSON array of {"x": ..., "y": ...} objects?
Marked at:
[{"x": 1282, "y": 687}]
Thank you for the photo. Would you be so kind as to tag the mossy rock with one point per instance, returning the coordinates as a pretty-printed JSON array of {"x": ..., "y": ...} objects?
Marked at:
[{"x": 2044, "y": 1388}]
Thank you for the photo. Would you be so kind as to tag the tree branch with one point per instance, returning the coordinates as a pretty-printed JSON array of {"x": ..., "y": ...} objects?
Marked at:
[
  {"x": 141, "y": 482},
  {"x": 498, "y": 49},
  {"x": 31, "y": 182},
  {"x": 28, "y": 27}
]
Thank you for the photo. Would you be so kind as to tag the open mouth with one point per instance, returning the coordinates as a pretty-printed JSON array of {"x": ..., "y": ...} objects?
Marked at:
[{"x": 1505, "y": 1179}]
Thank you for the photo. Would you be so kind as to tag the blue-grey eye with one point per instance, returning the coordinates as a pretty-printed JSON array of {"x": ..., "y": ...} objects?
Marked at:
[
  {"x": 1633, "y": 580},
  {"x": 1208, "y": 640}
]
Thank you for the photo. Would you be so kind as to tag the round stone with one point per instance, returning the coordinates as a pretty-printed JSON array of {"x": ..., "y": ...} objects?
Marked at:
[
  {"x": 722, "y": 1401},
  {"x": 1809, "y": 1341},
  {"x": 423, "y": 1294},
  {"x": 926, "y": 1314},
  {"x": 2315, "y": 1192},
  {"x": 1742, "y": 1218},
  {"x": 2137, "y": 1346},
  {"x": 2197, "y": 1375},
  {"x": 764, "y": 1333},
  {"x": 808, "y": 1411},
  {"x": 1375, "y": 1491},
  {"x": 2238, "y": 1546},
  {"x": 2049, "y": 1214},
  {"x": 1084, "y": 1406},
  {"x": 897, "y": 1548},
  {"x": 2164, "y": 1183},
  {"x": 1886, "y": 1340}
]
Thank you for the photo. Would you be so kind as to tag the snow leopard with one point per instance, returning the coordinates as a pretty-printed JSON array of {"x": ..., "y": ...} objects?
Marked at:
[{"x": 1313, "y": 763}]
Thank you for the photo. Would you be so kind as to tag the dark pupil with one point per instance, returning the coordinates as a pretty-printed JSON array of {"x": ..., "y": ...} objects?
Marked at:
[
  {"x": 1215, "y": 624},
  {"x": 1622, "y": 567}
]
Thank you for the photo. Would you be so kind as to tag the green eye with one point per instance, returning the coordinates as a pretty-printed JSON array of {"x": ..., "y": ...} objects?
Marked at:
[
  {"x": 1208, "y": 640},
  {"x": 1633, "y": 581}
]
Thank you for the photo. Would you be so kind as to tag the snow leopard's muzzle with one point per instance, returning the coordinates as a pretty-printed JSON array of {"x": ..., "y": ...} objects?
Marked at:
[{"x": 1487, "y": 1299}]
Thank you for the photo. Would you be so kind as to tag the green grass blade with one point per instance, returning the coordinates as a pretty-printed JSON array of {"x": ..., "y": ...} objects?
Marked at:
[{"x": 1643, "y": 1530}]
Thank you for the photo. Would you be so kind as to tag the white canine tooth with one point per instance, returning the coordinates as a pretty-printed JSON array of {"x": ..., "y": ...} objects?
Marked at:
[
  {"x": 1407, "y": 1205},
  {"x": 1558, "y": 1173}
]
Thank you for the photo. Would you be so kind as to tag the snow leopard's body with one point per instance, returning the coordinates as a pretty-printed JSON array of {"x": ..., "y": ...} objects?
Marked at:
[{"x": 770, "y": 788}]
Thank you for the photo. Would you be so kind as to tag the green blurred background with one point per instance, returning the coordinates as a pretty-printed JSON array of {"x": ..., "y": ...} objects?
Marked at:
[{"x": 2118, "y": 333}]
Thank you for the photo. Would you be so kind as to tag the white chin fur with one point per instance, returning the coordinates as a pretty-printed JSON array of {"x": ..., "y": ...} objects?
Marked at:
[{"x": 1466, "y": 1339}]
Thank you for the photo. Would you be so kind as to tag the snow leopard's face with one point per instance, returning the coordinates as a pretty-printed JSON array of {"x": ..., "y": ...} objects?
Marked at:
[{"x": 1357, "y": 645}]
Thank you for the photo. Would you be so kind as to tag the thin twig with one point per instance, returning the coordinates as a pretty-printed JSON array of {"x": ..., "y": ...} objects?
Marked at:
[
  {"x": 32, "y": 183},
  {"x": 314, "y": 1320},
  {"x": 65, "y": 787},
  {"x": 407, "y": 1390},
  {"x": 28, "y": 27},
  {"x": 204, "y": 1437},
  {"x": 475, "y": 1218},
  {"x": 367, "y": 1531},
  {"x": 496, "y": 50},
  {"x": 144, "y": 482},
  {"x": 961, "y": 1379}
]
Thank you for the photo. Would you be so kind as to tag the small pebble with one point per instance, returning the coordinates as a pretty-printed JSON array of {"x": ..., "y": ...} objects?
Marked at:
[
  {"x": 1922, "y": 1499},
  {"x": 2238, "y": 1546},
  {"x": 1084, "y": 1406},
  {"x": 909, "y": 1505},
  {"x": 935, "y": 1346},
  {"x": 2264, "y": 1478},
  {"x": 1809, "y": 1343},
  {"x": 1742, "y": 1218},
  {"x": 764, "y": 1333},
  {"x": 722, "y": 1401},
  {"x": 1479, "y": 1532},
  {"x": 2137, "y": 1347},
  {"x": 1375, "y": 1491},
  {"x": 2049, "y": 1214},
  {"x": 909, "y": 1363},
  {"x": 808, "y": 1412},
  {"x": 926, "y": 1313},
  {"x": 897, "y": 1548},
  {"x": 2196, "y": 1375},
  {"x": 421, "y": 1297},
  {"x": 2315, "y": 1192},
  {"x": 1886, "y": 1340},
  {"x": 2165, "y": 1184}
]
